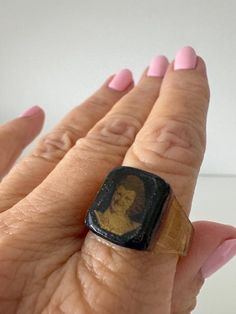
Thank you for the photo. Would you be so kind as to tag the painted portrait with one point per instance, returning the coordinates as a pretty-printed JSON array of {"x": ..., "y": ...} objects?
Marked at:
[{"x": 125, "y": 211}]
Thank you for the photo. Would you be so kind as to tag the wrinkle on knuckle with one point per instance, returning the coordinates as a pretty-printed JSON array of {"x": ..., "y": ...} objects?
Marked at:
[
  {"x": 97, "y": 101},
  {"x": 106, "y": 263},
  {"x": 101, "y": 260},
  {"x": 188, "y": 309},
  {"x": 95, "y": 151},
  {"x": 56, "y": 144},
  {"x": 186, "y": 109},
  {"x": 112, "y": 277},
  {"x": 172, "y": 141},
  {"x": 118, "y": 131},
  {"x": 199, "y": 283},
  {"x": 185, "y": 308},
  {"x": 96, "y": 266},
  {"x": 186, "y": 302},
  {"x": 143, "y": 93},
  {"x": 100, "y": 277},
  {"x": 189, "y": 86}
]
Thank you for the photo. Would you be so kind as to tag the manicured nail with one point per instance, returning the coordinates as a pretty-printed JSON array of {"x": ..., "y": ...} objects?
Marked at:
[
  {"x": 186, "y": 58},
  {"x": 158, "y": 66},
  {"x": 219, "y": 257},
  {"x": 121, "y": 80},
  {"x": 33, "y": 111}
]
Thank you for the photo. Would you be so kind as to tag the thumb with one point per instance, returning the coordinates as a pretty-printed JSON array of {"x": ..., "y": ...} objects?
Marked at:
[
  {"x": 17, "y": 134},
  {"x": 213, "y": 246}
]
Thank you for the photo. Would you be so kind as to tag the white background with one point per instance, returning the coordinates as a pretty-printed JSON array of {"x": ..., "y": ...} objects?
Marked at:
[{"x": 55, "y": 53}]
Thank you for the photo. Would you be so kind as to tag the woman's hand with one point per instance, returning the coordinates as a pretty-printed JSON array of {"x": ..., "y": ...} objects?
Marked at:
[{"x": 49, "y": 262}]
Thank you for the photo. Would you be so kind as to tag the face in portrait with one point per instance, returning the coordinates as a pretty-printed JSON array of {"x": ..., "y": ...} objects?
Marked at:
[{"x": 126, "y": 208}]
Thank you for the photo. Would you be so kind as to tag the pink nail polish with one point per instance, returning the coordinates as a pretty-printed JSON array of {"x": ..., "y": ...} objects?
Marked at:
[
  {"x": 186, "y": 58},
  {"x": 31, "y": 112},
  {"x": 219, "y": 257},
  {"x": 158, "y": 66},
  {"x": 121, "y": 80}
]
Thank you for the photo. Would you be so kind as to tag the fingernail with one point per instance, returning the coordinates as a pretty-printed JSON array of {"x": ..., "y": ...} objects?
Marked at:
[
  {"x": 186, "y": 58},
  {"x": 158, "y": 66},
  {"x": 219, "y": 257},
  {"x": 33, "y": 111},
  {"x": 121, "y": 80}
]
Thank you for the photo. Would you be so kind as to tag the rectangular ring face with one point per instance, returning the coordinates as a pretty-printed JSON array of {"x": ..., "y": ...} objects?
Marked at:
[{"x": 128, "y": 208}]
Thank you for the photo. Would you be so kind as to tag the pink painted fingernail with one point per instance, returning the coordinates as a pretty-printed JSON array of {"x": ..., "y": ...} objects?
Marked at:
[
  {"x": 158, "y": 66},
  {"x": 186, "y": 58},
  {"x": 219, "y": 257},
  {"x": 33, "y": 111},
  {"x": 121, "y": 80}
]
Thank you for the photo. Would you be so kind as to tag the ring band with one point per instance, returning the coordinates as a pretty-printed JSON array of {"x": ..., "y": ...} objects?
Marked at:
[{"x": 137, "y": 209}]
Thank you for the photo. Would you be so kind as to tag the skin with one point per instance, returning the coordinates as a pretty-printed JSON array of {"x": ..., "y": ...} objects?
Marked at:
[{"x": 49, "y": 262}]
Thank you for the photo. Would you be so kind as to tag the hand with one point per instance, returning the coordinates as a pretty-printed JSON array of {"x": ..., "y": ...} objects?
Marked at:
[{"x": 49, "y": 262}]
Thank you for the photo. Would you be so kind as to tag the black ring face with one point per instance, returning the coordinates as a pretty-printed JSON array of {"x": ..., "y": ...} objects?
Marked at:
[{"x": 128, "y": 208}]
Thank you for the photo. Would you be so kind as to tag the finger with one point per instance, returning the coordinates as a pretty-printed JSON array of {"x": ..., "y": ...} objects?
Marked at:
[
  {"x": 74, "y": 182},
  {"x": 52, "y": 148},
  {"x": 172, "y": 141},
  {"x": 17, "y": 134},
  {"x": 51, "y": 218},
  {"x": 171, "y": 145},
  {"x": 208, "y": 237}
]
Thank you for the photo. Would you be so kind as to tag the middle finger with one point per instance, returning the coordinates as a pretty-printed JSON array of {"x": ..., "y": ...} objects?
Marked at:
[{"x": 88, "y": 162}]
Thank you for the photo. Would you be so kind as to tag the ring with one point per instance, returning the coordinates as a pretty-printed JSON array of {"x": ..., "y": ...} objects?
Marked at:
[{"x": 137, "y": 209}]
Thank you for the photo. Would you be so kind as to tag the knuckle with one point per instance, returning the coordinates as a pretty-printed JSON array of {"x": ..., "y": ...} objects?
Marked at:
[
  {"x": 88, "y": 148},
  {"x": 192, "y": 86},
  {"x": 56, "y": 144},
  {"x": 172, "y": 140},
  {"x": 111, "y": 137},
  {"x": 143, "y": 93},
  {"x": 116, "y": 130},
  {"x": 97, "y": 101},
  {"x": 187, "y": 301},
  {"x": 142, "y": 88},
  {"x": 186, "y": 309}
]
